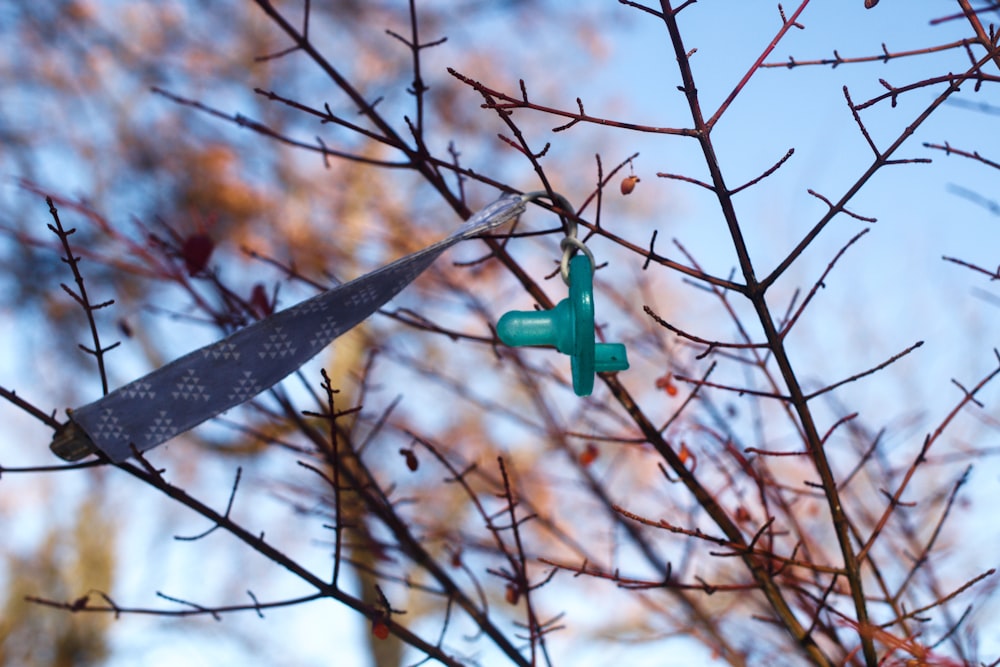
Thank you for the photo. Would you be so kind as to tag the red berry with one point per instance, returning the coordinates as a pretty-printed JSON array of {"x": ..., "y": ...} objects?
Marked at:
[{"x": 628, "y": 184}]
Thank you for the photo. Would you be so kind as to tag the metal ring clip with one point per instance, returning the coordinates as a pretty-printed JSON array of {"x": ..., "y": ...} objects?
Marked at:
[{"x": 570, "y": 244}]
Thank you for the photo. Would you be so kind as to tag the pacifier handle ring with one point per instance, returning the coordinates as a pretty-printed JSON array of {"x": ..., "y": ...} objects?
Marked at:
[{"x": 570, "y": 245}]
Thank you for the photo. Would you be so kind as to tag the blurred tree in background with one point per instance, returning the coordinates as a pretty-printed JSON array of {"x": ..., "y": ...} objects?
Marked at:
[{"x": 772, "y": 481}]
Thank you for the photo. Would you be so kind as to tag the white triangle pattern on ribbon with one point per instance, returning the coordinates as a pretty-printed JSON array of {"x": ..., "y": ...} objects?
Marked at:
[{"x": 198, "y": 386}]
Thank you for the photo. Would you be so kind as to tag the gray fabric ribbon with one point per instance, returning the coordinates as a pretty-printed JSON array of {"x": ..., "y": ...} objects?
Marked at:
[{"x": 198, "y": 386}]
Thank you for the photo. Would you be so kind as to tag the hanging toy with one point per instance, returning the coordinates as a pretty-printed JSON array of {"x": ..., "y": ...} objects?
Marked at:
[
  {"x": 201, "y": 384},
  {"x": 569, "y": 327}
]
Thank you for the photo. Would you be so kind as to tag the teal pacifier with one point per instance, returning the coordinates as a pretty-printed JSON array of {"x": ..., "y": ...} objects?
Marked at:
[{"x": 569, "y": 327}]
